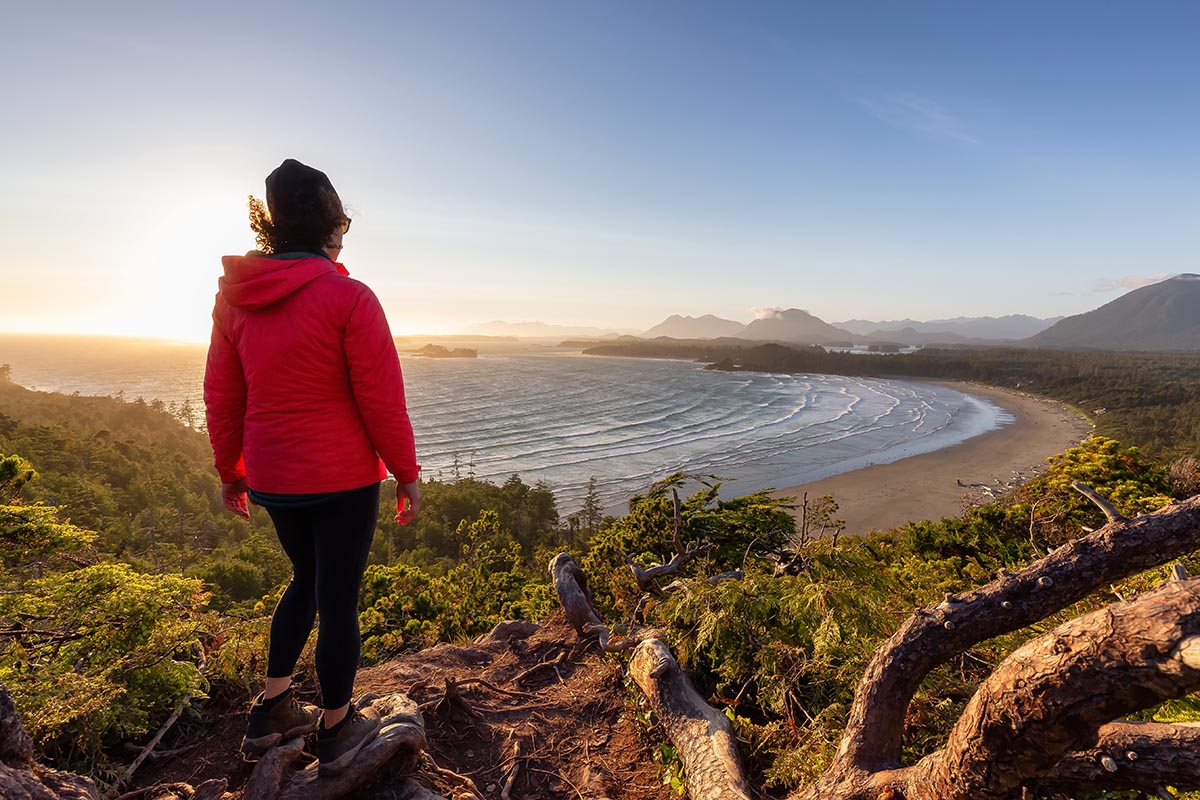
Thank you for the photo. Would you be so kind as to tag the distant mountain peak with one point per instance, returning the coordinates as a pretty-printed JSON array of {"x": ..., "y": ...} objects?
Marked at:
[
  {"x": 684, "y": 327},
  {"x": 792, "y": 325},
  {"x": 1160, "y": 316}
]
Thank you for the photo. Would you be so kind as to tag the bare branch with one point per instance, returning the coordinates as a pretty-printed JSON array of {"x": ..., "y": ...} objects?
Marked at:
[
  {"x": 678, "y": 520},
  {"x": 1108, "y": 508},
  {"x": 647, "y": 578},
  {"x": 149, "y": 748}
]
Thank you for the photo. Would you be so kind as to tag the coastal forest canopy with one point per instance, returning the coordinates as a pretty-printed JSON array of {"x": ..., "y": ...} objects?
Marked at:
[{"x": 123, "y": 573}]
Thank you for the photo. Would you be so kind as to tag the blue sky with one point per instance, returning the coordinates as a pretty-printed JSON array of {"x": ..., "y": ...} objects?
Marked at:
[{"x": 608, "y": 163}]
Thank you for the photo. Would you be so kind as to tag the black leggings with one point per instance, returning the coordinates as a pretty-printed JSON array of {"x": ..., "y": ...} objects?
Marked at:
[{"x": 328, "y": 544}]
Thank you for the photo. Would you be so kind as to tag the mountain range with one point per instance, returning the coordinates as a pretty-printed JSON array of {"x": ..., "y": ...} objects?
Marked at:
[
  {"x": 1011, "y": 327},
  {"x": 796, "y": 325},
  {"x": 1162, "y": 316}
]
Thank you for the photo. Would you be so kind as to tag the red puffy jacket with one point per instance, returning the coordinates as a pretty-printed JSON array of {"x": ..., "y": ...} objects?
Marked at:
[{"x": 302, "y": 391}]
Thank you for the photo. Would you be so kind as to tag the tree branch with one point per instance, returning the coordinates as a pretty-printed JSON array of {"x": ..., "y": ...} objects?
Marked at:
[
  {"x": 1132, "y": 755},
  {"x": 1053, "y": 694},
  {"x": 1108, "y": 508}
]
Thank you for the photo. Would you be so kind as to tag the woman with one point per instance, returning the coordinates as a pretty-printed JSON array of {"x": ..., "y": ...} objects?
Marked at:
[{"x": 306, "y": 414}]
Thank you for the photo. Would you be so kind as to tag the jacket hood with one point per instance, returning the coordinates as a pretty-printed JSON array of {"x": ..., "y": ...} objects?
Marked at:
[{"x": 254, "y": 281}]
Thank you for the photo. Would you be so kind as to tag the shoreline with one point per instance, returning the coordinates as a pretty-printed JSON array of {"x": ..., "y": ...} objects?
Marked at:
[{"x": 938, "y": 484}]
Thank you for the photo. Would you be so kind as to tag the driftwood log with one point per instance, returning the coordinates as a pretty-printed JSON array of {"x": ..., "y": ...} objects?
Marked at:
[
  {"x": 1045, "y": 720},
  {"x": 705, "y": 739}
]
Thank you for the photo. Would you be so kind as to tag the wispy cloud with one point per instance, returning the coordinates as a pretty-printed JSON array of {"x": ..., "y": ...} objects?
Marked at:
[
  {"x": 1130, "y": 282},
  {"x": 916, "y": 114},
  {"x": 768, "y": 312}
]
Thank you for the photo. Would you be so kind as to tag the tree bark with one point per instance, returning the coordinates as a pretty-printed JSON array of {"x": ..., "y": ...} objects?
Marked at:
[
  {"x": 20, "y": 776},
  {"x": 267, "y": 777},
  {"x": 1132, "y": 755},
  {"x": 702, "y": 735},
  {"x": 571, "y": 587}
]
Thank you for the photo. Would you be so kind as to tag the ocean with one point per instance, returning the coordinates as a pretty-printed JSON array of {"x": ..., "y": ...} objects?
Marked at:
[{"x": 563, "y": 418}]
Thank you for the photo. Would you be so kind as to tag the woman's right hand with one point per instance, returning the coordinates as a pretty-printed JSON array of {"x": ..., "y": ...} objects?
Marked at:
[
  {"x": 233, "y": 497},
  {"x": 408, "y": 502}
]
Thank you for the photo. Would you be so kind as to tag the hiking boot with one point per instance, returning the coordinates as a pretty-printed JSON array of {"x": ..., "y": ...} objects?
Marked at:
[
  {"x": 337, "y": 746},
  {"x": 280, "y": 719}
]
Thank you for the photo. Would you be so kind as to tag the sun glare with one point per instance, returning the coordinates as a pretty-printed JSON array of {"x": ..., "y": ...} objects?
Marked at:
[{"x": 173, "y": 279}]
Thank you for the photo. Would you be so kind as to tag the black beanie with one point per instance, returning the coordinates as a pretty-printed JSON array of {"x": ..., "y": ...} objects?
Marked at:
[{"x": 294, "y": 188}]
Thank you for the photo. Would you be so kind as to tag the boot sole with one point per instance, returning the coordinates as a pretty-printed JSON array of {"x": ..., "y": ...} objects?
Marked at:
[{"x": 339, "y": 764}]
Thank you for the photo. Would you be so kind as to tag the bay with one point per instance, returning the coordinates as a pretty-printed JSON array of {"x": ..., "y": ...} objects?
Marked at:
[{"x": 564, "y": 418}]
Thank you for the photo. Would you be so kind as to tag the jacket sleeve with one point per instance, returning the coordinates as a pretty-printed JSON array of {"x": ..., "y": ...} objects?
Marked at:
[
  {"x": 225, "y": 405},
  {"x": 379, "y": 387}
]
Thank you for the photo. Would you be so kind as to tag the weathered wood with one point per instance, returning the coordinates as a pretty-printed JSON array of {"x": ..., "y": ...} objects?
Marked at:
[
  {"x": 21, "y": 783},
  {"x": 153, "y": 743},
  {"x": 506, "y": 631},
  {"x": 1099, "y": 501},
  {"x": 647, "y": 579},
  {"x": 1144, "y": 754},
  {"x": 873, "y": 732},
  {"x": 571, "y": 587},
  {"x": 1053, "y": 694},
  {"x": 401, "y": 739},
  {"x": 16, "y": 748},
  {"x": 1044, "y": 715},
  {"x": 214, "y": 789},
  {"x": 703, "y": 736},
  {"x": 266, "y": 780}
]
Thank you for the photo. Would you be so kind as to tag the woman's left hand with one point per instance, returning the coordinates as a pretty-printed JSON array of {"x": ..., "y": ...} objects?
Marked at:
[
  {"x": 233, "y": 495},
  {"x": 408, "y": 502}
]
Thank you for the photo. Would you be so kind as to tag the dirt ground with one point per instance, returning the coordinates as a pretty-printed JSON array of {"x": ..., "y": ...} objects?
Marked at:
[{"x": 545, "y": 716}]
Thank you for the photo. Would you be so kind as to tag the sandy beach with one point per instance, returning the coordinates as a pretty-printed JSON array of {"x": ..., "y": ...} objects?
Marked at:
[{"x": 935, "y": 485}]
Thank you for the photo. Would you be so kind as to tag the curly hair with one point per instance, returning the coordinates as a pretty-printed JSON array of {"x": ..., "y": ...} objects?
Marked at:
[{"x": 307, "y": 229}]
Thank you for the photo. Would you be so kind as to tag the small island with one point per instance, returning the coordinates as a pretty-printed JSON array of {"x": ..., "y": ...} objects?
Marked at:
[{"x": 438, "y": 351}]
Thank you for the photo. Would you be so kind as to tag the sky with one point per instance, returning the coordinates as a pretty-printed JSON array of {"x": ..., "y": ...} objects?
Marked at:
[{"x": 604, "y": 163}]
